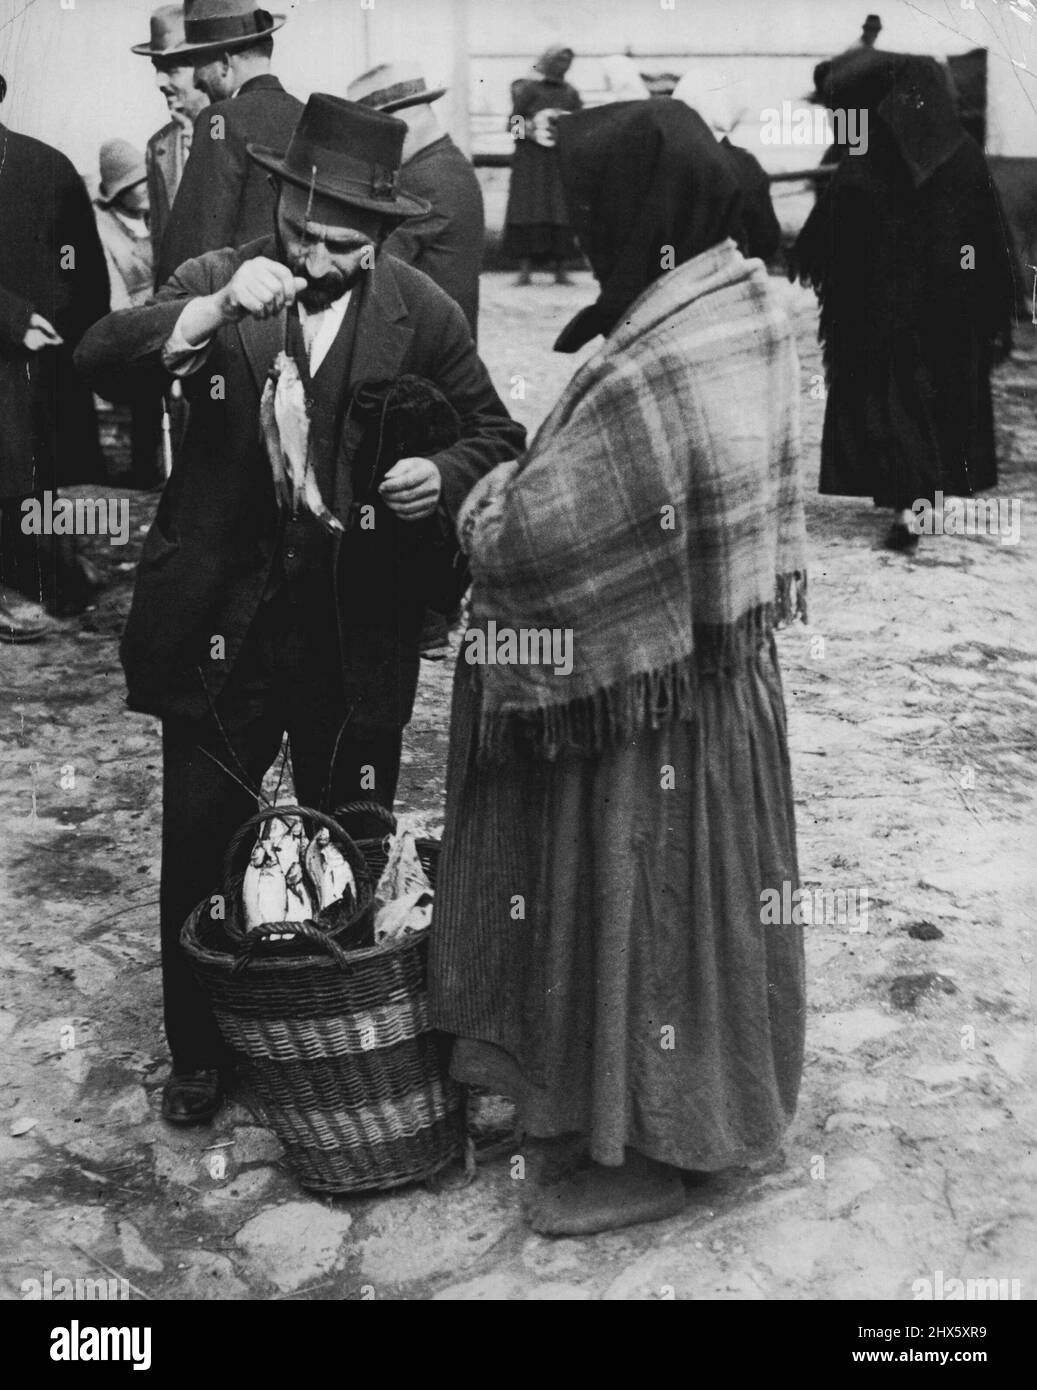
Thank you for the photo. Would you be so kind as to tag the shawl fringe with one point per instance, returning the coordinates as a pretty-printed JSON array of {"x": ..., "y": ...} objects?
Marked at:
[{"x": 616, "y": 713}]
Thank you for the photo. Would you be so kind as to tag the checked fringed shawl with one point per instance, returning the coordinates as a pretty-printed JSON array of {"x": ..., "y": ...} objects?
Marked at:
[{"x": 692, "y": 404}]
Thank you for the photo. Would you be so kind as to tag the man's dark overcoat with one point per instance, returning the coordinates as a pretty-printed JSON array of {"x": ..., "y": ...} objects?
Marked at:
[
  {"x": 208, "y": 557},
  {"x": 225, "y": 198},
  {"x": 51, "y": 263},
  {"x": 447, "y": 243}
]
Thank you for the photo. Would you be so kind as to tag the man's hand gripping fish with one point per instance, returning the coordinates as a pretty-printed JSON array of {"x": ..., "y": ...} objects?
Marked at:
[{"x": 286, "y": 431}]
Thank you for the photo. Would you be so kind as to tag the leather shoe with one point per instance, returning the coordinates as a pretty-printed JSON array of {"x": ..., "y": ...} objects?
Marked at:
[
  {"x": 192, "y": 1097},
  {"x": 21, "y": 620},
  {"x": 901, "y": 537}
]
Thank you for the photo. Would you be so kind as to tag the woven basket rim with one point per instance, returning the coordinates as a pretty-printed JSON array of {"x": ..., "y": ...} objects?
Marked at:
[{"x": 191, "y": 941}]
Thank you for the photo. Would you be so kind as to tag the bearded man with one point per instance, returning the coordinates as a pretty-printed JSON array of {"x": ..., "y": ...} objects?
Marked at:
[{"x": 253, "y": 618}]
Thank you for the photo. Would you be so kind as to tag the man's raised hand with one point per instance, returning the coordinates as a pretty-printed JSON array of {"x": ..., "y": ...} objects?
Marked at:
[{"x": 260, "y": 288}]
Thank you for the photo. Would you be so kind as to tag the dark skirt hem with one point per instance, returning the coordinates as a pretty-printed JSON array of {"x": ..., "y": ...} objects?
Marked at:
[{"x": 475, "y": 1062}]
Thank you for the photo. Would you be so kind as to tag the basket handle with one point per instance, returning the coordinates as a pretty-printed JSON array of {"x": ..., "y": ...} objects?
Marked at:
[
  {"x": 304, "y": 929},
  {"x": 238, "y": 839},
  {"x": 371, "y": 808}
]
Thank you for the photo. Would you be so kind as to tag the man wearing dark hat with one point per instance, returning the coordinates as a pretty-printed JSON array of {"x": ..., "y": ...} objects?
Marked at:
[
  {"x": 224, "y": 199},
  {"x": 447, "y": 243},
  {"x": 167, "y": 150},
  {"x": 261, "y": 607}
]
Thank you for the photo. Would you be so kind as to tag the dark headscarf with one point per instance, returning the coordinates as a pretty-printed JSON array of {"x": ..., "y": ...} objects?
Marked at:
[
  {"x": 544, "y": 65},
  {"x": 640, "y": 176},
  {"x": 883, "y": 245},
  {"x": 911, "y": 96}
]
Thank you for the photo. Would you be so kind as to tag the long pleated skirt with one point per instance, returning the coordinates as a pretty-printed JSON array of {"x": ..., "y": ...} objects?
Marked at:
[{"x": 597, "y": 949}]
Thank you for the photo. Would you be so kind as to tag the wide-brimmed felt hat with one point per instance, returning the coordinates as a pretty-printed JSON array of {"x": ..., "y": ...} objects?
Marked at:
[
  {"x": 122, "y": 166},
  {"x": 392, "y": 86},
  {"x": 167, "y": 33},
  {"x": 209, "y": 27},
  {"x": 348, "y": 152}
]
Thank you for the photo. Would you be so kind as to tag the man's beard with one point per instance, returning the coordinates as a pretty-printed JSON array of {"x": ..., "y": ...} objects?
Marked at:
[
  {"x": 321, "y": 291},
  {"x": 319, "y": 294}
]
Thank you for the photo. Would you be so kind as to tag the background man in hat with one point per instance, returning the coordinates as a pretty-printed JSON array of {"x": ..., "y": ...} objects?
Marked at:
[
  {"x": 224, "y": 199},
  {"x": 167, "y": 150},
  {"x": 447, "y": 243},
  {"x": 251, "y": 620},
  {"x": 53, "y": 284}
]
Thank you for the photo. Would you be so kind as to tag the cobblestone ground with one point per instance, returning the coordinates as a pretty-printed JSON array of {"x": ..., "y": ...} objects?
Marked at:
[{"x": 911, "y": 699}]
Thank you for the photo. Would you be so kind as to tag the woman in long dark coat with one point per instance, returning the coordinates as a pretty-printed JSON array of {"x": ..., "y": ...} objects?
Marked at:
[
  {"x": 908, "y": 251},
  {"x": 536, "y": 225},
  {"x": 614, "y": 821}
]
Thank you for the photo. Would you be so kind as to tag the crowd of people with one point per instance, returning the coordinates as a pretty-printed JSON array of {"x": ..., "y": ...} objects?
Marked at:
[{"x": 640, "y": 803}]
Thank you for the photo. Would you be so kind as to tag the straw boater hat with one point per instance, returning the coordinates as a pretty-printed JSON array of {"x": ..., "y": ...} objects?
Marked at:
[
  {"x": 209, "y": 27},
  {"x": 348, "y": 152},
  {"x": 392, "y": 86},
  {"x": 122, "y": 166}
]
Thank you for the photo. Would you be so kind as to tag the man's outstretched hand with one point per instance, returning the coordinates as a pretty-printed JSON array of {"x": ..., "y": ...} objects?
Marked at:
[
  {"x": 411, "y": 488},
  {"x": 259, "y": 289}
]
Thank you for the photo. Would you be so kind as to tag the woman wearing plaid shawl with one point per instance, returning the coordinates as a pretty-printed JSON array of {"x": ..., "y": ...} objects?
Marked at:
[{"x": 615, "y": 819}]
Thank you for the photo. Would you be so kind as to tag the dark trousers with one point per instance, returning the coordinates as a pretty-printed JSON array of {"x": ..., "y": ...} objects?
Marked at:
[
  {"x": 285, "y": 680},
  {"x": 21, "y": 564}
]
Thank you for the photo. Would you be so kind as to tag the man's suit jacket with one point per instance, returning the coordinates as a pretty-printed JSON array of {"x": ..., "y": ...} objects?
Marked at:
[
  {"x": 51, "y": 263},
  {"x": 447, "y": 244},
  {"x": 207, "y": 558},
  {"x": 162, "y": 161},
  {"x": 224, "y": 198}
]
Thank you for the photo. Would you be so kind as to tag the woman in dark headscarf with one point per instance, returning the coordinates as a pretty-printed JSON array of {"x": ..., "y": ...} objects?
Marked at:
[
  {"x": 618, "y": 808},
  {"x": 536, "y": 224},
  {"x": 909, "y": 253}
]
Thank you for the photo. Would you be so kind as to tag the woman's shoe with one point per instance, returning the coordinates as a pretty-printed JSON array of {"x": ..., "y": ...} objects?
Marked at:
[
  {"x": 192, "y": 1097},
  {"x": 901, "y": 537},
  {"x": 21, "y": 620}
]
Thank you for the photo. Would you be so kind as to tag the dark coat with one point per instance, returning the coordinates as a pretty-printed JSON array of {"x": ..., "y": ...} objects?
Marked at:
[
  {"x": 162, "y": 161},
  {"x": 447, "y": 244},
  {"x": 207, "y": 559},
  {"x": 225, "y": 198},
  {"x": 45, "y": 208},
  {"x": 762, "y": 229},
  {"x": 909, "y": 332},
  {"x": 535, "y": 194}
]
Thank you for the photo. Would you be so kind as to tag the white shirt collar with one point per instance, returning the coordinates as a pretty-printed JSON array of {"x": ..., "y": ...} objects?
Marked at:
[{"x": 321, "y": 328}]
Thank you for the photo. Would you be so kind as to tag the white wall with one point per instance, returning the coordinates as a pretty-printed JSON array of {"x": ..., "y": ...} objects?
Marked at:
[
  {"x": 769, "y": 48},
  {"x": 74, "y": 83}
]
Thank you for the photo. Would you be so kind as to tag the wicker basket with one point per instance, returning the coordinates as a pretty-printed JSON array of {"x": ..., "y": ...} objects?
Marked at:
[{"x": 338, "y": 1051}]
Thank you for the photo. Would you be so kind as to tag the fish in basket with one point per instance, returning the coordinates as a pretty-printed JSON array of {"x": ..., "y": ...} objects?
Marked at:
[{"x": 303, "y": 876}]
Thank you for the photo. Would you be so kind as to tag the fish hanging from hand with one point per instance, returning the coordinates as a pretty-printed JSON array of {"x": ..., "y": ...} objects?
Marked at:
[{"x": 285, "y": 421}]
